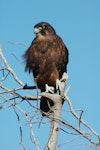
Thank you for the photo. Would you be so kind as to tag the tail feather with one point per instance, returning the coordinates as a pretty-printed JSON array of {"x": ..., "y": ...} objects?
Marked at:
[{"x": 46, "y": 105}]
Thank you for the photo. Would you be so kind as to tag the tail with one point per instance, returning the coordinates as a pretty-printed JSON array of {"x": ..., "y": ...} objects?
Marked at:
[{"x": 46, "y": 106}]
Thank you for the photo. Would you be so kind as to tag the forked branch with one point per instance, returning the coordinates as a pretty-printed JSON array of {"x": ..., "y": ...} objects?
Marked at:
[{"x": 13, "y": 97}]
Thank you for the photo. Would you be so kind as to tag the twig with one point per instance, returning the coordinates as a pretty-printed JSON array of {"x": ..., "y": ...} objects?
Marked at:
[
  {"x": 18, "y": 43},
  {"x": 20, "y": 127},
  {"x": 78, "y": 118},
  {"x": 10, "y": 69}
]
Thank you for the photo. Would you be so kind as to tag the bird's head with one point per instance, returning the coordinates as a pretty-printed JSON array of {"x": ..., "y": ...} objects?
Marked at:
[{"x": 44, "y": 29}]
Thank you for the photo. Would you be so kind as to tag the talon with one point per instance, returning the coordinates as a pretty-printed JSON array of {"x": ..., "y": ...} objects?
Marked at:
[
  {"x": 49, "y": 89},
  {"x": 58, "y": 85}
]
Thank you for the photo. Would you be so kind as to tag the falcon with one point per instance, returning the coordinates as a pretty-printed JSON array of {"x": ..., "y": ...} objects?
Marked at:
[{"x": 47, "y": 59}]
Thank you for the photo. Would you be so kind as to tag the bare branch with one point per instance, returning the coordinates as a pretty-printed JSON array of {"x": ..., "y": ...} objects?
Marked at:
[
  {"x": 78, "y": 117},
  {"x": 55, "y": 118},
  {"x": 12, "y": 97},
  {"x": 10, "y": 69}
]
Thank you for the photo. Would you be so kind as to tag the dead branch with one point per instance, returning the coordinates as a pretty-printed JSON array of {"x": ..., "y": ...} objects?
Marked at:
[
  {"x": 55, "y": 118},
  {"x": 16, "y": 97},
  {"x": 10, "y": 69}
]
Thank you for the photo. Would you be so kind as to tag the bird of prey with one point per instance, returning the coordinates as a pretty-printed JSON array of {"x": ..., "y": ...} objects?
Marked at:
[{"x": 47, "y": 59}]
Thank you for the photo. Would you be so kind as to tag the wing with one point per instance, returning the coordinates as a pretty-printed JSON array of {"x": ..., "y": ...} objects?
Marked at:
[
  {"x": 60, "y": 55},
  {"x": 33, "y": 57}
]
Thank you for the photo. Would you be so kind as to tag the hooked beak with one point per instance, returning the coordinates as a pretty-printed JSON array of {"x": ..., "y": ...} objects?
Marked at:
[{"x": 37, "y": 30}]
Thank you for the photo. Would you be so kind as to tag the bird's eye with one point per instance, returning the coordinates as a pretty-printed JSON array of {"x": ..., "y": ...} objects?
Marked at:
[
  {"x": 40, "y": 28},
  {"x": 43, "y": 27}
]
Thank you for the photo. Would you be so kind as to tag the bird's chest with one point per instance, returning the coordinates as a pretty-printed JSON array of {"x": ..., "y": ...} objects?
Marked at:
[{"x": 44, "y": 59}]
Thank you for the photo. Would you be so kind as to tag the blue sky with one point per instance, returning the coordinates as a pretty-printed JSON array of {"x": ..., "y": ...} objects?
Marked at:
[{"x": 78, "y": 23}]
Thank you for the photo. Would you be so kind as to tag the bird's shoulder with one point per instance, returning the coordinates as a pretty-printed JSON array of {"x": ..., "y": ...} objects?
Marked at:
[{"x": 48, "y": 43}]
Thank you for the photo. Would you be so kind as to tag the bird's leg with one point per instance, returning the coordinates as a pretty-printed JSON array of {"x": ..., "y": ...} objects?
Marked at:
[
  {"x": 58, "y": 85},
  {"x": 49, "y": 89}
]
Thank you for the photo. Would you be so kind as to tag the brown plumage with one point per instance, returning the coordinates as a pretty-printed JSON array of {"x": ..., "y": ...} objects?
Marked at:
[{"x": 47, "y": 58}]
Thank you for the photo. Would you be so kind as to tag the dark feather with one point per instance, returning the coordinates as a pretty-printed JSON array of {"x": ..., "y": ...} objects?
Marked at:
[{"x": 47, "y": 58}]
